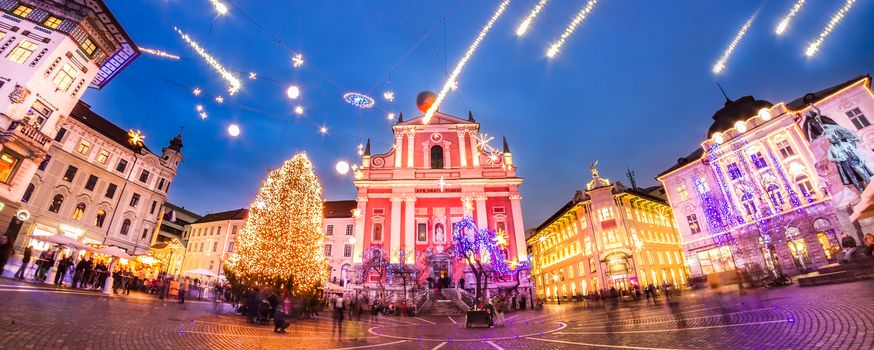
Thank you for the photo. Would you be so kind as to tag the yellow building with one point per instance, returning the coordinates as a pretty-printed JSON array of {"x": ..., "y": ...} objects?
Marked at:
[{"x": 607, "y": 236}]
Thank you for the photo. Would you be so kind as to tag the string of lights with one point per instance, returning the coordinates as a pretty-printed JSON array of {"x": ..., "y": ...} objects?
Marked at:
[
  {"x": 159, "y": 53},
  {"x": 719, "y": 66},
  {"x": 464, "y": 59},
  {"x": 835, "y": 20},
  {"x": 234, "y": 83},
  {"x": 220, "y": 7},
  {"x": 526, "y": 23},
  {"x": 783, "y": 25},
  {"x": 578, "y": 19}
]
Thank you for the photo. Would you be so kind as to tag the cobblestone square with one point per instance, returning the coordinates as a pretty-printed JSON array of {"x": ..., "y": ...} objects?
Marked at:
[{"x": 827, "y": 317}]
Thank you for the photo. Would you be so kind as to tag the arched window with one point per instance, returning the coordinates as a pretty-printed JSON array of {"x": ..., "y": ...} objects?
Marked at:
[
  {"x": 101, "y": 215},
  {"x": 79, "y": 211},
  {"x": 27, "y": 193},
  {"x": 775, "y": 196},
  {"x": 377, "y": 232},
  {"x": 55, "y": 206},
  {"x": 125, "y": 227},
  {"x": 805, "y": 187},
  {"x": 436, "y": 157},
  {"x": 749, "y": 203}
]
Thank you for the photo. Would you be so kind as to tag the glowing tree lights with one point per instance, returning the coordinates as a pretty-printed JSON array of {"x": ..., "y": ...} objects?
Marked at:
[
  {"x": 234, "y": 83},
  {"x": 282, "y": 244},
  {"x": 578, "y": 19},
  {"x": 526, "y": 23},
  {"x": 159, "y": 53},
  {"x": 461, "y": 63},
  {"x": 220, "y": 7},
  {"x": 719, "y": 66},
  {"x": 836, "y": 18},
  {"x": 783, "y": 25}
]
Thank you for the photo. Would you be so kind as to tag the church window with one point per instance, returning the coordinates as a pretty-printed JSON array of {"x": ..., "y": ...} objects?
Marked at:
[
  {"x": 682, "y": 192},
  {"x": 436, "y": 157}
]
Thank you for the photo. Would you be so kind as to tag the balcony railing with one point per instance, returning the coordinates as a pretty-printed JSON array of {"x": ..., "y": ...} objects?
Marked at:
[{"x": 29, "y": 132}]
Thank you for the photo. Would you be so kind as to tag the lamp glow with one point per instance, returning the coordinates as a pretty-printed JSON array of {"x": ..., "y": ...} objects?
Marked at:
[
  {"x": 765, "y": 114},
  {"x": 741, "y": 126},
  {"x": 293, "y": 92},
  {"x": 342, "y": 167},
  {"x": 234, "y": 130},
  {"x": 718, "y": 138}
]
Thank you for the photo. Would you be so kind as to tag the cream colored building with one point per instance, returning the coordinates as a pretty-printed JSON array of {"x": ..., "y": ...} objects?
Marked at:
[
  {"x": 607, "y": 236},
  {"x": 96, "y": 187},
  {"x": 211, "y": 240},
  {"x": 340, "y": 240}
]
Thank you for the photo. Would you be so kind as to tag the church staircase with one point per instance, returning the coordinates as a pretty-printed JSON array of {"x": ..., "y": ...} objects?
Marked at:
[{"x": 839, "y": 273}]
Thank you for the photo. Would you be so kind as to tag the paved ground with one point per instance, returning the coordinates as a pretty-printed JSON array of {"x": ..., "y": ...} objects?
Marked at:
[{"x": 828, "y": 317}]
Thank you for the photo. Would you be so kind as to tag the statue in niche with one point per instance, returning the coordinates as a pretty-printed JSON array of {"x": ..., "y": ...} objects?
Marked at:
[
  {"x": 842, "y": 149},
  {"x": 439, "y": 233}
]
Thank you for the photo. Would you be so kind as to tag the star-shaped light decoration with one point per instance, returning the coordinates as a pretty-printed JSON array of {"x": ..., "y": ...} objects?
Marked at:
[
  {"x": 501, "y": 238},
  {"x": 253, "y": 75},
  {"x": 196, "y": 91},
  {"x": 135, "y": 137},
  {"x": 297, "y": 61},
  {"x": 442, "y": 184},
  {"x": 203, "y": 115},
  {"x": 356, "y": 213},
  {"x": 492, "y": 154},
  {"x": 388, "y": 96},
  {"x": 199, "y": 108},
  {"x": 219, "y": 99}
]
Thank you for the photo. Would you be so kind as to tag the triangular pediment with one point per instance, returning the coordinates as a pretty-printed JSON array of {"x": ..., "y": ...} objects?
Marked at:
[{"x": 437, "y": 119}]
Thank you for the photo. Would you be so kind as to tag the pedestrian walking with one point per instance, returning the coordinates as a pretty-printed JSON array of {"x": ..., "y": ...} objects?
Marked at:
[
  {"x": 499, "y": 311},
  {"x": 25, "y": 260},
  {"x": 339, "y": 305},
  {"x": 63, "y": 266},
  {"x": 183, "y": 289}
]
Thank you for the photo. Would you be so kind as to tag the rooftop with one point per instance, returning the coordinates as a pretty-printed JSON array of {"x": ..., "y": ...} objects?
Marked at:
[
  {"x": 236, "y": 214},
  {"x": 83, "y": 113},
  {"x": 339, "y": 209}
]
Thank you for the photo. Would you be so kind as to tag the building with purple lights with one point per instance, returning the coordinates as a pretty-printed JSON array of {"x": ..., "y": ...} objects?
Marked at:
[{"x": 772, "y": 186}]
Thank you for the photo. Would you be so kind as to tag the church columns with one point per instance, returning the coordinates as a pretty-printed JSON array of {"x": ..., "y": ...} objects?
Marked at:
[
  {"x": 474, "y": 152},
  {"x": 518, "y": 227},
  {"x": 410, "y": 148},
  {"x": 481, "y": 218},
  {"x": 358, "y": 248},
  {"x": 409, "y": 228},
  {"x": 399, "y": 137},
  {"x": 462, "y": 147},
  {"x": 395, "y": 228}
]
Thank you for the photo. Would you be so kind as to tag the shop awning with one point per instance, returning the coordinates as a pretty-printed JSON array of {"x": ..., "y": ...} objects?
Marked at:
[
  {"x": 65, "y": 241},
  {"x": 113, "y": 251}
]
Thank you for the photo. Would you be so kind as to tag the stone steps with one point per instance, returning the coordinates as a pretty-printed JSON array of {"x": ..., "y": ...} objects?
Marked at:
[
  {"x": 440, "y": 308},
  {"x": 838, "y": 273}
]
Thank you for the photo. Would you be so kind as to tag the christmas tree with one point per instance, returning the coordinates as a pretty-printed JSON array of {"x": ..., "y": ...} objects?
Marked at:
[{"x": 281, "y": 244}]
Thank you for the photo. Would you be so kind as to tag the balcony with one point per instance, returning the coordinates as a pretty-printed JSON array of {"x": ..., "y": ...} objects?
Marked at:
[{"x": 26, "y": 135}]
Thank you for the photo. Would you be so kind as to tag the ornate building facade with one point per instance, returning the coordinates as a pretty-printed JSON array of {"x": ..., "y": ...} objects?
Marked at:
[
  {"x": 435, "y": 174},
  {"x": 51, "y": 51},
  {"x": 96, "y": 187},
  {"x": 606, "y": 236},
  {"x": 211, "y": 240},
  {"x": 771, "y": 188}
]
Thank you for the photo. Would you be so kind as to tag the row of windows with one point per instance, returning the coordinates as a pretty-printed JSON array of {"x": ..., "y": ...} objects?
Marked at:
[
  {"x": 347, "y": 250},
  {"x": 209, "y": 231},
  {"x": 198, "y": 247},
  {"x": 330, "y": 230},
  {"x": 84, "y": 147},
  {"x": 51, "y": 21},
  {"x": 62, "y": 80}
]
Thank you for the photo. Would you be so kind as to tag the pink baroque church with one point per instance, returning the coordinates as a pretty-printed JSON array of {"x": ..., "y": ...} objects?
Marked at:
[{"x": 410, "y": 196}]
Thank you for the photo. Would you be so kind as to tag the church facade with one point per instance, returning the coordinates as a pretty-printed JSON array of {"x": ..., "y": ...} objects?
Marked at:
[{"x": 434, "y": 175}]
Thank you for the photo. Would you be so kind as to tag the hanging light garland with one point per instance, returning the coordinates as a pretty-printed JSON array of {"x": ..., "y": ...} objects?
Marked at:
[
  {"x": 720, "y": 64},
  {"x": 783, "y": 25},
  {"x": 461, "y": 63},
  {"x": 297, "y": 60},
  {"x": 159, "y": 53},
  {"x": 135, "y": 138},
  {"x": 234, "y": 83},
  {"x": 836, "y": 18},
  {"x": 578, "y": 19},
  {"x": 220, "y": 7},
  {"x": 526, "y": 23}
]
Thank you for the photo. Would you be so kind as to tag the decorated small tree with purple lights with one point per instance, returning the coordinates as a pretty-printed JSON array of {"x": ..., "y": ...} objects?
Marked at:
[
  {"x": 482, "y": 250},
  {"x": 374, "y": 261},
  {"x": 404, "y": 271}
]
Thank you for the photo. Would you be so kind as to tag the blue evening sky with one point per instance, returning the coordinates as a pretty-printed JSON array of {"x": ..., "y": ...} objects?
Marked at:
[{"x": 632, "y": 87}]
